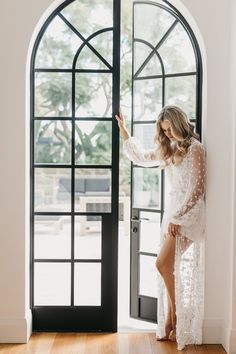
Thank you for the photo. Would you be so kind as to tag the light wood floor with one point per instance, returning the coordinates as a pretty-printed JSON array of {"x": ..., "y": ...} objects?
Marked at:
[{"x": 114, "y": 343}]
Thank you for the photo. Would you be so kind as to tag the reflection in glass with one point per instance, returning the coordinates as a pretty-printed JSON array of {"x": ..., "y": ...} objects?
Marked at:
[
  {"x": 52, "y": 189},
  {"x": 57, "y": 47},
  {"x": 88, "y": 241},
  {"x": 147, "y": 99},
  {"x": 93, "y": 142},
  {"x": 52, "y": 237},
  {"x": 93, "y": 95},
  {"x": 146, "y": 185},
  {"x": 181, "y": 91},
  {"x": 53, "y": 94},
  {"x": 151, "y": 22},
  {"x": 177, "y": 52},
  {"x": 89, "y": 17},
  {"x": 149, "y": 232},
  {"x": 145, "y": 133},
  {"x": 93, "y": 190},
  {"x": 52, "y": 141},
  {"x": 148, "y": 276},
  {"x": 52, "y": 284},
  {"x": 88, "y": 284}
]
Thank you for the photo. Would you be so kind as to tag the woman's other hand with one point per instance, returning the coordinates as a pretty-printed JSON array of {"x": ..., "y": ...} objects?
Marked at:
[
  {"x": 121, "y": 124},
  {"x": 173, "y": 229}
]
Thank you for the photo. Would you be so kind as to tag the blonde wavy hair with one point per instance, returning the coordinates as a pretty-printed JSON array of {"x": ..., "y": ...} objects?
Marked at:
[{"x": 182, "y": 131}]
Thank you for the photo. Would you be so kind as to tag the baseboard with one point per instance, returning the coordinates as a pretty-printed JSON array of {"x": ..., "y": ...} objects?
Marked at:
[
  {"x": 130, "y": 329},
  {"x": 16, "y": 330},
  {"x": 232, "y": 342},
  {"x": 212, "y": 331}
]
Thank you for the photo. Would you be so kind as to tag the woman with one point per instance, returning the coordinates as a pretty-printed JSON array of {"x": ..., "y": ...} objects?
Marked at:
[{"x": 180, "y": 261}]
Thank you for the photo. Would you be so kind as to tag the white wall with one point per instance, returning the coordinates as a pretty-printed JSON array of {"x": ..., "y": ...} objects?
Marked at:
[
  {"x": 211, "y": 20},
  {"x": 17, "y": 22},
  {"x": 216, "y": 20},
  {"x": 231, "y": 315}
]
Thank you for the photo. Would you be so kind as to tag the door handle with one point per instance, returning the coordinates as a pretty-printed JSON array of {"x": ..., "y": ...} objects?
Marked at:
[{"x": 134, "y": 219}]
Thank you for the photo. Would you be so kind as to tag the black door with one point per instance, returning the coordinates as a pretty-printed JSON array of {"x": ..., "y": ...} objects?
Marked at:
[
  {"x": 74, "y": 168},
  {"x": 166, "y": 70}
]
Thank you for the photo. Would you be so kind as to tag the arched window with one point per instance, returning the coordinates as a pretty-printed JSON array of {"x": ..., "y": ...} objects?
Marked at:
[
  {"x": 166, "y": 69},
  {"x": 74, "y": 164},
  {"x": 75, "y": 94}
]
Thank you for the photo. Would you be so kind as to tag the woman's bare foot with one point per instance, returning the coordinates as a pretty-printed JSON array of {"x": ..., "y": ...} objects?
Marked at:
[
  {"x": 168, "y": 329},
  {"x": 172, "y": 335}
]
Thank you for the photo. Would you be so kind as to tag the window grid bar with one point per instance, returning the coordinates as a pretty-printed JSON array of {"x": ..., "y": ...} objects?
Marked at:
[
  {"x": 73, "y": 189},
  {"x": 156, "y": 47},
  {"x": 136, "y": 122},
  {"x": 192, "y": 73},
  {"x": 99, "y": 119},
  {"x": 68, "y": 213},
  {"x": 49, "y": 70},
  {"x": 153, "y": 49},
  {"x": 60, "y": 260},
  {"x": 84, "y": 40},
  {"x": 71, "y": 166},
  {"x": 32, "y": 178}
]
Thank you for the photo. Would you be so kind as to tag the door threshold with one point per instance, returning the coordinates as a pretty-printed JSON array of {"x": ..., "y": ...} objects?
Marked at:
[{"x": 129, "y": 329}]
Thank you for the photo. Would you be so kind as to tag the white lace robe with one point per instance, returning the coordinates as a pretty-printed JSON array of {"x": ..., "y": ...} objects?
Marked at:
[{"x": 185, "y": 206}]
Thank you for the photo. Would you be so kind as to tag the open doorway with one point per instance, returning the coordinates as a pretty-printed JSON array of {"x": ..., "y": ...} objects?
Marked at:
[{"x": 160, "y": 65}]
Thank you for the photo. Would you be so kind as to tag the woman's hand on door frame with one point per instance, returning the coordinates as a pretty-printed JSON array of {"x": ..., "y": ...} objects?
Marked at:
[{"x": 121, "y": 124}]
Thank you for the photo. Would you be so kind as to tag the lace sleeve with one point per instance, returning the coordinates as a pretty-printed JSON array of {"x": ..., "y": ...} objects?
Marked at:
[
  {"x": 189, "y": 212},
  {"x": 138, "y": 155}
]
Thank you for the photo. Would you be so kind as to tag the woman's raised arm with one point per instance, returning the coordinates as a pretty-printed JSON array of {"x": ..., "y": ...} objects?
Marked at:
[{"x": 133, "y": 149}]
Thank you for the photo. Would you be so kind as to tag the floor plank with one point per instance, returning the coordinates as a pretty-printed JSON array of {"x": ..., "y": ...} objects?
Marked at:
[{"x": 103, "y": 343}]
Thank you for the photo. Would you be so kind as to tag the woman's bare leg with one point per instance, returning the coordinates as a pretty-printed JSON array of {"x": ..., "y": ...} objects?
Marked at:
[{"x": 165, "y": 265}]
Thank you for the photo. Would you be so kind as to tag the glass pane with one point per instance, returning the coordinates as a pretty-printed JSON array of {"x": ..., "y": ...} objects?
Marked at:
[
  {"x": 88, "y": 230},
  {"x": 93, "y": 142},
  {"x": 103, "y": 45},
  {"x": 181, "y": 91},
  {"x": 52, "y": 282},
  {"x": 93, "y": 95},
  {"x": 145, "y": 133},
  {"x": 141, "y": 52},
  {"x": 88, "y": 284},
  {"x": 53, "y": 94},
  {"x": 147, "y": 186},
  {"x": 52, "y": 237},
  {"x": 52, "y": 189},
  {"x": 194, "y": 124},
  {"x": 93, "y": 190},
  {"x": 57, "y": 47},
  {"x": 148, "y": 276},
  {"x": 177, "y": 52},
  {"x": 149, "y": 232},
  {"x": 147, "y": 99},
  {"x": 98, "y": 14},
  {"x": 87, "y": 59},
  {"x": 52, "y": 141},
  {"x": 151, "y": 22}
]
